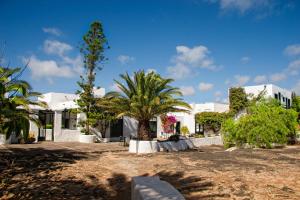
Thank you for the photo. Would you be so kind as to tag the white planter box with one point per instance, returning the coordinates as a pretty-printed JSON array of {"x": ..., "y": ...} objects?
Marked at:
[
  {"x": 87, "y": 138},
  {"x": 137, "y": 146},
  {"x": 3, "y": 139}
]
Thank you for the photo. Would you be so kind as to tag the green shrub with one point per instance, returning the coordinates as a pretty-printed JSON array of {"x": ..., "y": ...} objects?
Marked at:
[
  {"x": 49, "y": 126},
  {"x": 211, "y": 120},
  {"x": 199, "y": 136},
  {"x": 266, "y": 124},
  {"x": 184, "y": 130},
  {"x": 237, "y": 99}
]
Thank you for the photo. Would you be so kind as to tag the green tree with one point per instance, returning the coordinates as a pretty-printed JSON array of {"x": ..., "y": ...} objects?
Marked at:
[
  {"x": 266, "y": 123},
  {"x": 237, "y": 99},
  {"x": 16, "y": 99},
  {"x": 143, "y": 97},
  {"x": 211, "y": 120},
  {"x": 93, "y": 52},
  {"x": 295, "y": 102}
]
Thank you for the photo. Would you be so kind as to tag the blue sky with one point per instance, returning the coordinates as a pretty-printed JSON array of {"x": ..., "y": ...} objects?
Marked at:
[{"x": 205, "y": 45}]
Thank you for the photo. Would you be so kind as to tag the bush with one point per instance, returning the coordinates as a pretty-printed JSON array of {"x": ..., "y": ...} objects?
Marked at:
[
  {"x": 237, "y": 99},
  {"x": 211, "y": 120},
  {"x": 266, "y": 124},
  {"x": 184, "y": 130},
  {"x": 49, "y": 126},
  {"x": 199, "y": 136}
]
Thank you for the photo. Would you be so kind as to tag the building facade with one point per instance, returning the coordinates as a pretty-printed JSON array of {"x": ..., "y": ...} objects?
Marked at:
[{"x": 284, "y": 96}]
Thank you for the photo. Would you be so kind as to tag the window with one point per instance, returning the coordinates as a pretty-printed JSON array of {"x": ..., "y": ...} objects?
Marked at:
[
  {"x": 199, "y": 128},
  {"x": 288, "y": 103},
  {"x": 279, "y": 96},
  {"x": 69, "y": 120},
  {"x": 153, "y": 126},
  {"x": 276, "y": 96}
]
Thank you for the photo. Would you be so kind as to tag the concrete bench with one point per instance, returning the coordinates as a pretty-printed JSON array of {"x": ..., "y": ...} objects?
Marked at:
[{"x": 152, "y": 188}]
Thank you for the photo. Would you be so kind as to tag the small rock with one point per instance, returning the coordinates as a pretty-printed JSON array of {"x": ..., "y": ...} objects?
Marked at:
[{"x": 232, "y": 149}]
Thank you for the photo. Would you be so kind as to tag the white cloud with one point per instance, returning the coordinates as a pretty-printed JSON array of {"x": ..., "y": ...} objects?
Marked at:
[
  {"x": 292, "y": 50},
  {"x": 205, "y": 86},
  {"x": 150, "y": 70},
  {"x": 75, "y": 63},
  {"x": 294, "y": 67},
  {"x": 114, "y": 87},
  {"x": 48, "y": 68},
  {"x": 187, "y": 90},
  {"x": 53, "y": 31},
  {"x": 56, "y": 47},
  {"x": 245, "y": 59},
  {"x": 296, "y": 88},
  {"x": 218, "y": 94},
  {"x": 241, "y": 80},
  {"x": 186, "y": 58},
  {"x": 124, "y": 59},
  {"x": 196, "y": 56},
  {"x": 260, "y": 79},
  {"x": 179, "y": 71},
  {"x": 242, "y": 6},
  {"x": 277, "y": 77}
]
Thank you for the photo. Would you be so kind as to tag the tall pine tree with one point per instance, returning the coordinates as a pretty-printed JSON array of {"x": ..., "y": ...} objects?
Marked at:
[{"x": 92, "y": 50}]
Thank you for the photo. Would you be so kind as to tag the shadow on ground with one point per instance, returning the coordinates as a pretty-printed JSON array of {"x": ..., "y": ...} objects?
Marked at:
[{"x": 36, "y": 173}]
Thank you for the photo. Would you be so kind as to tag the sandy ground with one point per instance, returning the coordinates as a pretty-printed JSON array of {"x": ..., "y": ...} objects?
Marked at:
[{"x": 104, "y": 171}]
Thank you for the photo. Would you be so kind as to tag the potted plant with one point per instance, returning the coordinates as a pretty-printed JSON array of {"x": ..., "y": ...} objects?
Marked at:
[{"x": 143, "y": 97}]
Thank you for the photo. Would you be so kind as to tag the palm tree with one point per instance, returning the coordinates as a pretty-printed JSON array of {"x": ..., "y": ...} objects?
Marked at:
[
  {"x": 143, "y": 97},
  {"x": 16, "y": 99}
]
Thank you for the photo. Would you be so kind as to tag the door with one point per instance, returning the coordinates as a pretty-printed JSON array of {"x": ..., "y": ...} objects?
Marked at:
[
  {"x": 116, "y": 128},
  {"x": 177, "y": 128}
]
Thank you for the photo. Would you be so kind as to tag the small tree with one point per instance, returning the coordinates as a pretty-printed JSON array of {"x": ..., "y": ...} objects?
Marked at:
[
  {"x": 210, "y": 120},
  {"x": 184, "y": 130},
  {"x": 267, "y": 123},
  {"x": 237, "y": 99},
  {"x": 15, "y": 103},
  {"x": 93, "y": 52}
]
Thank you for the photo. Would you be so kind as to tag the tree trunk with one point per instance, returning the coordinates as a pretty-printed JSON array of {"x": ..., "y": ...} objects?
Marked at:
[{"x": 144, "y": 130}]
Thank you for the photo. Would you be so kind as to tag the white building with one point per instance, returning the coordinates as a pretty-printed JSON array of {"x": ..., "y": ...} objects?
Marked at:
[
  {"x": 59, "y": 124},
  {"x": 273, "y": 91}
]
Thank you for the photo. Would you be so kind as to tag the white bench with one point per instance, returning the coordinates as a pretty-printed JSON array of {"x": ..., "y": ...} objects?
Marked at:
[{"x": 152, "y": 188}]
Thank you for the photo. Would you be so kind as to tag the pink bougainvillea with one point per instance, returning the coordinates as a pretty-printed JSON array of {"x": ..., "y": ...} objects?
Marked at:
[{"x": 168, "y": 122}]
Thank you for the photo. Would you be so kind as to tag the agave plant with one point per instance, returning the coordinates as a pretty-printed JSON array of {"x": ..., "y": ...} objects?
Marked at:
[
  {"x": 16, "y": 99},
  {"x": 143, "y": 97}
]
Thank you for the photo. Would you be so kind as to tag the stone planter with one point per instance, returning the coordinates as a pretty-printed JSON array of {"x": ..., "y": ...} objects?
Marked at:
[
  {"x": 87, "y": 138},
  {"x": 140, "y": 146},
  {"x": 3, "y": 139}
]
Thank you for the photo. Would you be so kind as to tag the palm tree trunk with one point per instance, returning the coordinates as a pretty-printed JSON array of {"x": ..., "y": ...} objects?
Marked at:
[{"x": 144, "y": 130}]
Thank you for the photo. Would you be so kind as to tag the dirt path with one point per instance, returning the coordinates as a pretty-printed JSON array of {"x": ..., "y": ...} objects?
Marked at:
[{"x": 104, "y": 171}]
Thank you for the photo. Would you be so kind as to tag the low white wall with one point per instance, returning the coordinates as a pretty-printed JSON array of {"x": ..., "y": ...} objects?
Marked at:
[
  {"x": 48, "y": 134},
  {"x": 67, "y": 135},
  {"x": 147, "y": 188},
  {"x": 136, "y": 146},
  {"x": 198, "y": 142},
  {"x": 3, "y": 139}
]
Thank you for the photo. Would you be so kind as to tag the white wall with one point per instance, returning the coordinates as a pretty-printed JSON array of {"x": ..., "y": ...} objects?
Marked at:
[
  {"x": 270, "y": 91},
  {"x": 130, "y": 127}
]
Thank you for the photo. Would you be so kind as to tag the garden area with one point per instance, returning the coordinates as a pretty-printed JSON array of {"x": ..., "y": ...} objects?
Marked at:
[{"x": 104, "y": 171}]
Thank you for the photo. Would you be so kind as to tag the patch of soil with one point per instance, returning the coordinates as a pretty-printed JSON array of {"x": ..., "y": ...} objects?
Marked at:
[{"x": 104, "y": 171}]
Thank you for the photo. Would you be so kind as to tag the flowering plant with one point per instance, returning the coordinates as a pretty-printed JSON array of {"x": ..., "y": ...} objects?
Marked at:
[{"x": 168, "y": 122}]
